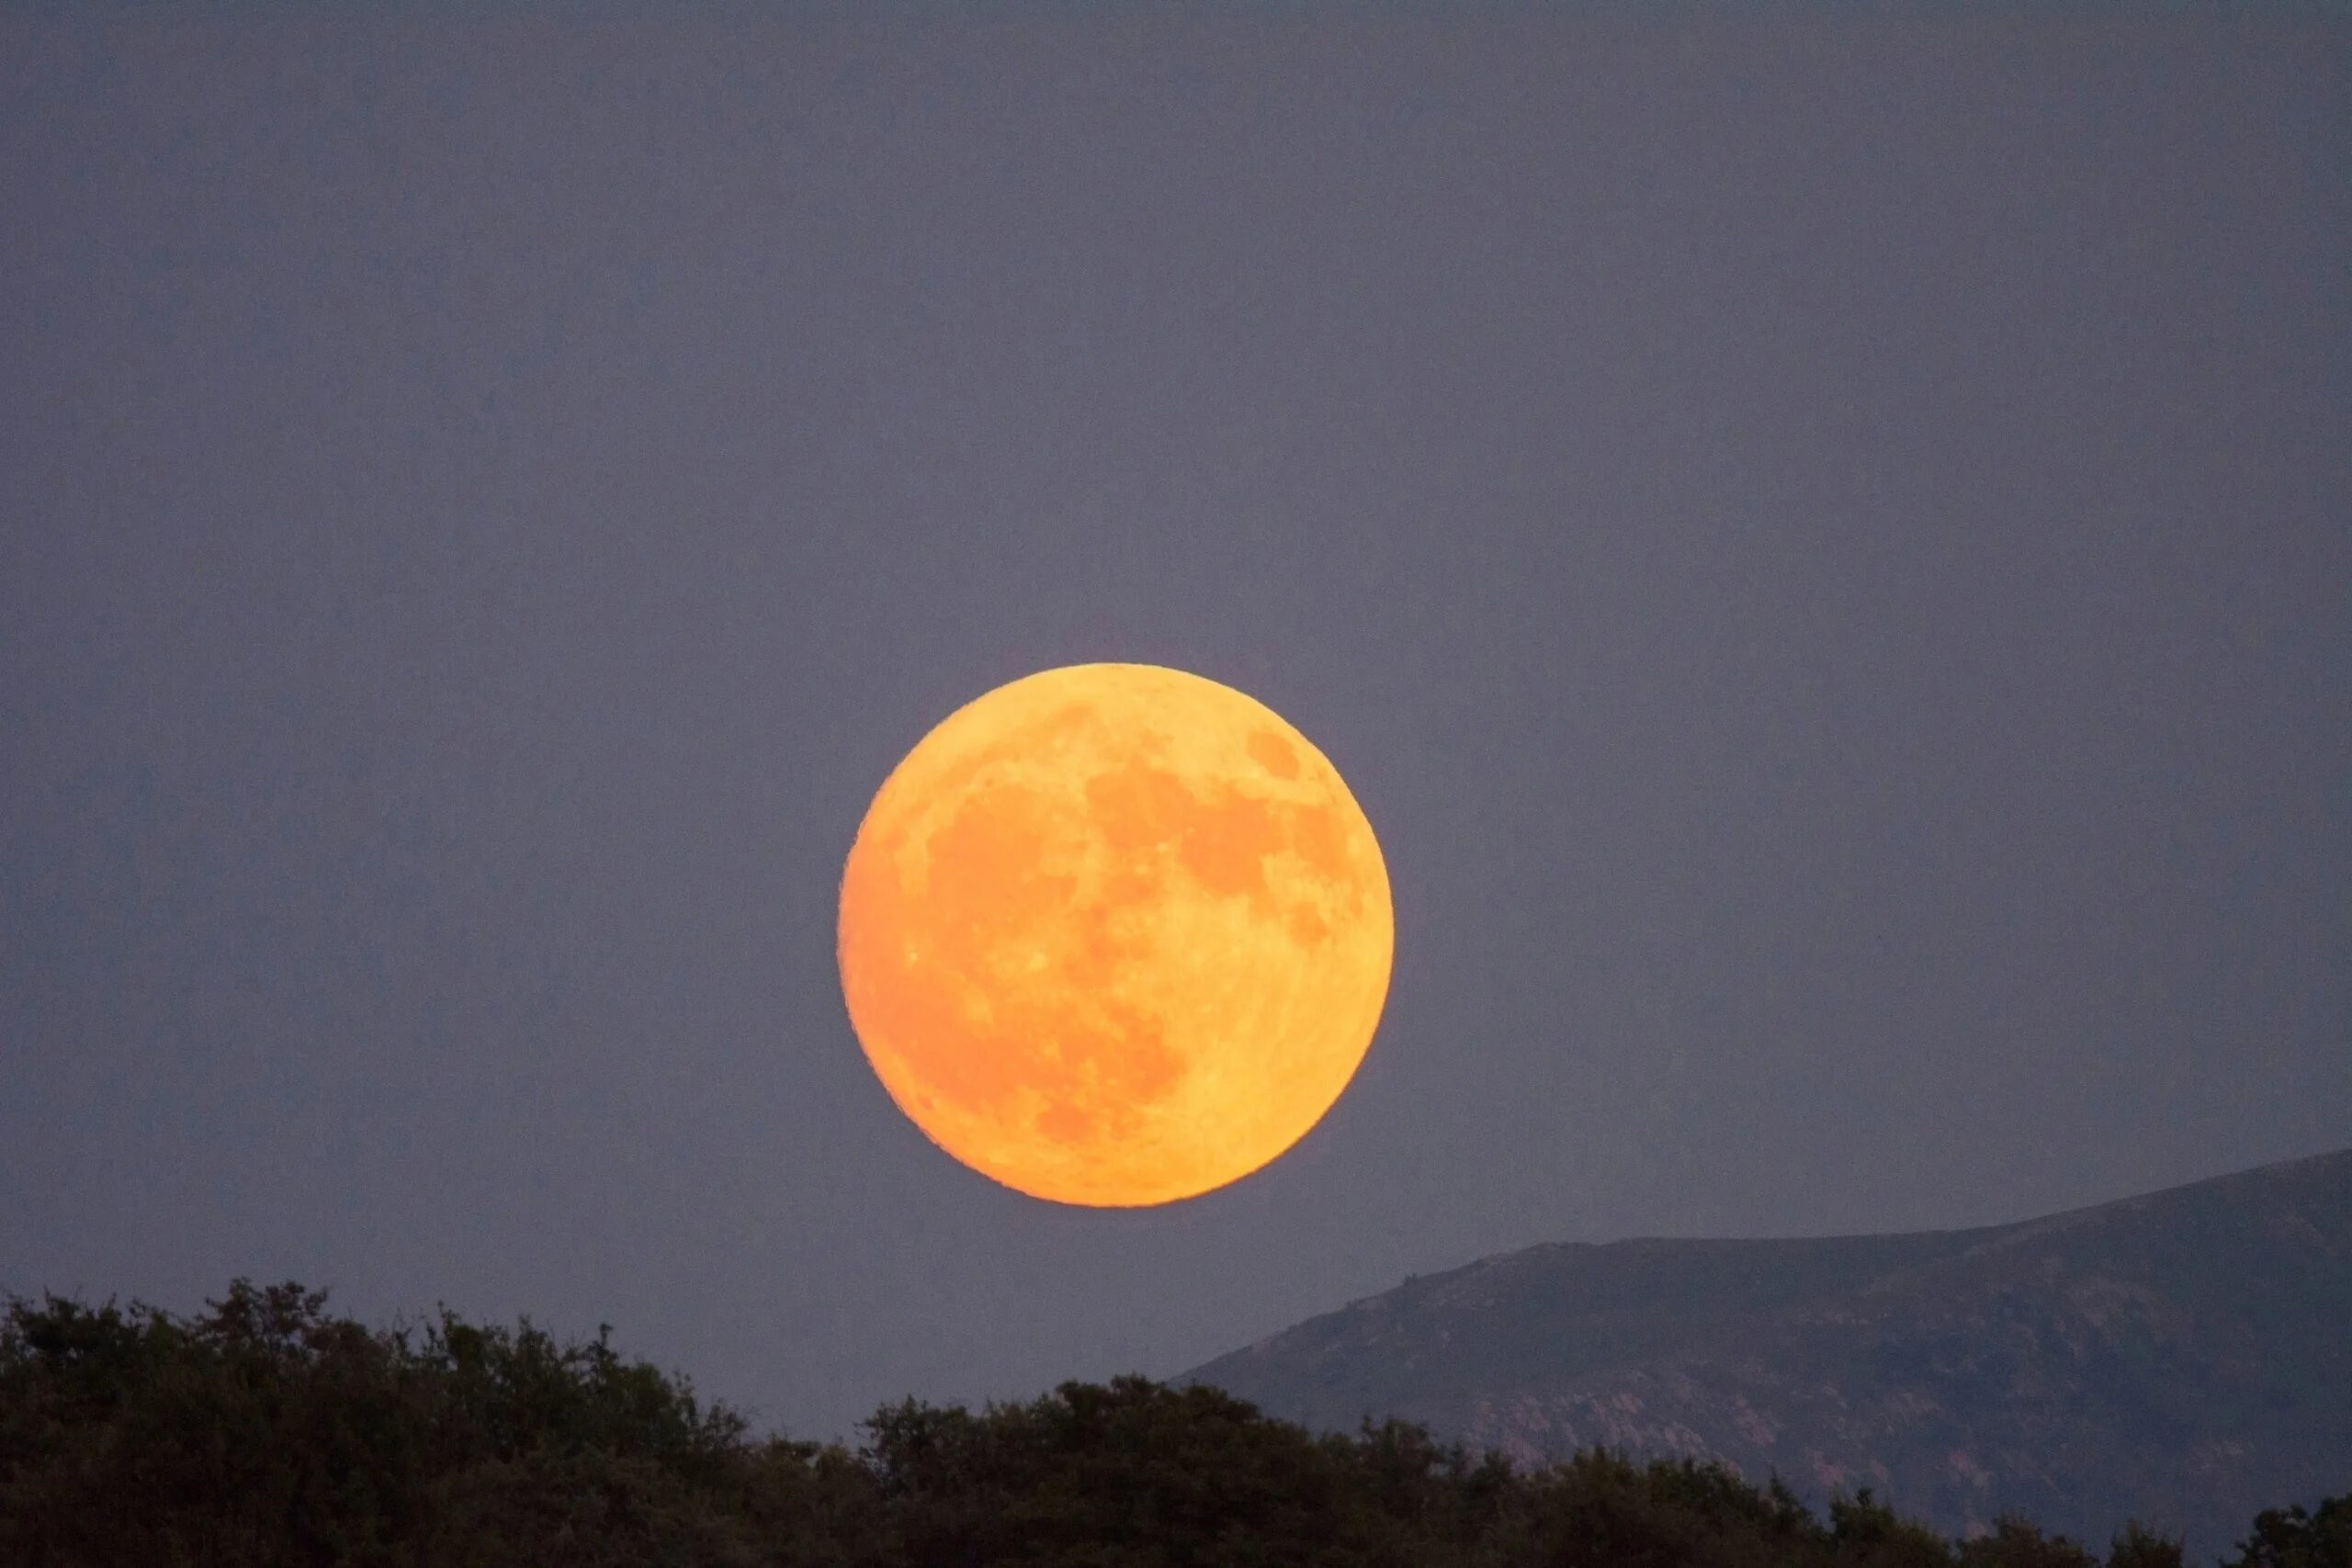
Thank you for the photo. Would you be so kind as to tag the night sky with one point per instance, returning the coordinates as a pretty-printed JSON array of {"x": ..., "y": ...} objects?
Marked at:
[{"x": 1823, "y": 549}]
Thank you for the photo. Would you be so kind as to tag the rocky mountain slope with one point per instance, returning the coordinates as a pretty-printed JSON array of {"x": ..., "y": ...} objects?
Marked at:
[{"x": 2184, "y": 1358}]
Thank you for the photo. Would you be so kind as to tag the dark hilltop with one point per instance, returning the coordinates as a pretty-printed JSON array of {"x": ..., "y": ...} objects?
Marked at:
[{"x": 2180, "y": 1357}]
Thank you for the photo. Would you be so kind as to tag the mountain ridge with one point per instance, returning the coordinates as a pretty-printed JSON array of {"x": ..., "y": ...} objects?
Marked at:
[{"x": 2168, "y": 1355}]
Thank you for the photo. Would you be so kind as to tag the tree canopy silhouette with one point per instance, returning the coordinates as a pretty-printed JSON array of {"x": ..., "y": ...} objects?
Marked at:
[{"x": 264, "y": 1431}]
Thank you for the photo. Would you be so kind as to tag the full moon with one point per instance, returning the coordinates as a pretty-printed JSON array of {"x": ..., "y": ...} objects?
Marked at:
[{"x": 1114, "y": 934}]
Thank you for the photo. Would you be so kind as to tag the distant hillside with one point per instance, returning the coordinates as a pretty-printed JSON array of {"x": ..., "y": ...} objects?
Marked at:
[{"x": 2182, "y": 1358}]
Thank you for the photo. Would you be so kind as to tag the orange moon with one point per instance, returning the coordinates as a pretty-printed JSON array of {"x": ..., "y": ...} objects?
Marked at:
[{"x": 1114, "y": 934}]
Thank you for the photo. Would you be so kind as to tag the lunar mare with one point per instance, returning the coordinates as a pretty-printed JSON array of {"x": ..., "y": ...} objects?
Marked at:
[{"x": 1114, "y": 934}]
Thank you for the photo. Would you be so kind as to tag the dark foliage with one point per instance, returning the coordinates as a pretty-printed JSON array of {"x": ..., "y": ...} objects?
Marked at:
[
  {"x": 2289, "y": 1538},
  {"x": 265, "y": 1432}
]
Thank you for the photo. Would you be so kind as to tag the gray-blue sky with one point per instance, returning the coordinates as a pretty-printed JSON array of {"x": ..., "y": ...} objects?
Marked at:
[{"x": 1821, "y": 548}]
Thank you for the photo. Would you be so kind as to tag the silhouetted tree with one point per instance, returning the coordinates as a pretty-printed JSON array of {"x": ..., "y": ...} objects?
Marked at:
[
  {"x": 2136, "y": 1546},
  {"x": 1866, "y": 1533},
  {"x": 263, "y": 1432},
  {"x": 2016, "y": 1543},
  {"x": 2289, "y": 1538}
]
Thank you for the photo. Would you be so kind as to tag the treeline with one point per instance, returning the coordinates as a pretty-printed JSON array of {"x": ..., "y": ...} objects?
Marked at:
[{"x": 264, "y": 1431}]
